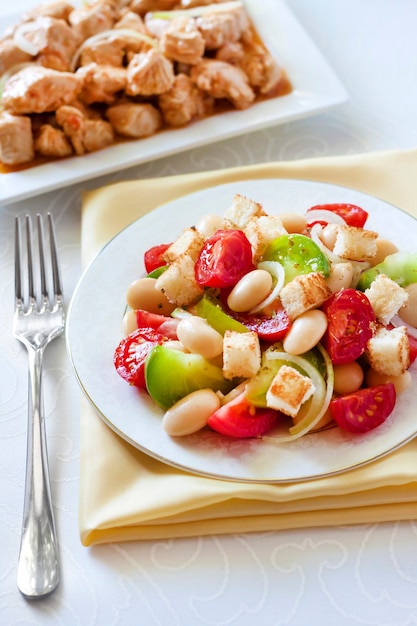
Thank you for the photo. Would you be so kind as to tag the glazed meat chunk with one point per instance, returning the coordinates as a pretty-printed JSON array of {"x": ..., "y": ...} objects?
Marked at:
[
  {"x": 182, "y": 41},
  {"x": 141, "y": 7},
  {"x": 231, "y": 52},
  {"x": 149, "y": 73},
  {"x": 60, "y": 10},
  {"x": 55, "y": 41},
  {"x": 11, "y": 55},
  {"x": 261, "y": 68},
  {"x": 132, "y": 119},
  {"x": 222, "y": 80},
  {"x": 86, "y": 135},
  {"x": 16, "y": 140},
  {"x": 52, "y": 142},
  {"x": 101, "y": 83},
  {"x": 94, "y": 18},
  {"x": 183, "y": 102},
  {"x": 220, "y": 28},
  {"x": 39, "y": 89},
  {"x": 104, "y": 52}
]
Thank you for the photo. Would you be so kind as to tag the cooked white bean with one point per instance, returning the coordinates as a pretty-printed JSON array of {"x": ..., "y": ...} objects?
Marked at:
[
  {"x": 209, "y": 224},
  {"x": 199, "y": 337},
  {"x": 400, "y": 382},
  {"x": 384, "y": 247},
  {"x": 293, "y": 223},
  {"x": 141, "y": 294},
  {"x": 250, "y": 291},
  {"x": 306, "y": 332},
  {"x": 191, "y": 413},
  {"x": 409, "y": 311},
  {"x": 129, "y": 323},
  {"x": 341, "y": 276},
  {"x": 348, "y": 377},
  {"x": 328, "y": 235}
]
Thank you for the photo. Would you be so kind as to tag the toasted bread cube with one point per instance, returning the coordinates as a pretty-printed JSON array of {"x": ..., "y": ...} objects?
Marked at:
[
  {"x": 304, "y": 292},
  {"x": 355, "y": 244},
  {"x": 388, "y": 351},
  {"x": 178, "y": 282},
  {"x": 386, "y": 298},
  {"x": 241, "y": 354},
  {"x": 242, "y": 210},
  {"x": 289, "y": 390},
  {"x": 260, "y": 231},
  {"x": 189, "y": 242}
]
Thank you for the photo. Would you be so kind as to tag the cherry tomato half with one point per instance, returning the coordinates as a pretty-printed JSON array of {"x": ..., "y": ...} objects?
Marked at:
[
  {"x": 365, "y": 409},
  {"x": 352, "y": 214},
  {"x": 238, "y": 418},
  {"x": 153, "y": 257},
  {"x": 224, "y": 259},
  {"x": 165, "y": 325},
  {"x": 350, "y": 318},
  {"x": 130, "y": 355},
  {"x": 271, "y": 326}
]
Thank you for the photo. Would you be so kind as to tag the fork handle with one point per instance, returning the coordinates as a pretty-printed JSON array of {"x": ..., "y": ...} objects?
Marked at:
[{"x": 38, "y": 564}]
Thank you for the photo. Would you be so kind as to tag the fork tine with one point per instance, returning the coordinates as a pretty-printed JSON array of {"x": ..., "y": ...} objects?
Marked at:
[
  {"x": 56, "y": 275},
  {"x": 17, "y": 257},
  {"x": 31, "y": 290},
  {"x": 44, "y": 289}
]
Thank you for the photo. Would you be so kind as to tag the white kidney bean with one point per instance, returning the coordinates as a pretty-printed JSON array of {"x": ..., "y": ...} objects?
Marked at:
[
  {"x": 129, "y": 323},
  {"x": 384, "y": 247},
  {"x": 305, "y": 332},
  {"x": 250, "y": 291},
  {"x": 199, "y": 337},
  {"x": 348, "y": 377},
  {"x": 209, "y": 224},
  {"x": 341, "y": 276},
  {"x": 408, "y": 312},
  {"x": 191, "y": 413},
  {"x": 400, "y": 382},
  {"x": 141, "y": 294},
  {"x": 293, "y": 223}
]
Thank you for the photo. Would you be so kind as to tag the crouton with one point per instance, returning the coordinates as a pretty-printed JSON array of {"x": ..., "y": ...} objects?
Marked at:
[
  {"x": 289, "y": 390},
  {"x": 242, "y": 210},
  {"x": 260, "y": 231},
  {"x": 190, "y": 242},
  {"x": 241, "y": 354},
  {"x": 388, "y": 351},
  {"x": 355, "y": 244},
  {"x": 386, "y": 298},
  {"x": 304, "y": 292},
  {"x": 178, "y": 282}
]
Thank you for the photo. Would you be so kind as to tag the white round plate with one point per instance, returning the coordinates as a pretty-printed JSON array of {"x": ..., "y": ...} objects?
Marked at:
[{"x": 94, "y": 330}]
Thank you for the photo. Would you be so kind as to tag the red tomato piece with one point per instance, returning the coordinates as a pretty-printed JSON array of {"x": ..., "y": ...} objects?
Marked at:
[
  {"x": 238, "y": 418},
  {"x": 365, "y": 409},
  {"x": 224, "y": 259},
  {"x": 153, "y": 257},
  {"x": 130, "y": 355},
  {"x": 165, "y": 325},
  {"x": 350, "y": 319},
  {"x": 413, "y": 348},
  {"x": 352, "y": 214},
  {"x": 270, "y": 327}
]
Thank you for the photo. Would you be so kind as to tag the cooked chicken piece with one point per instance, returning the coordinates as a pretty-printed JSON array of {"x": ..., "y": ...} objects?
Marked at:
[
  {"x": 220, "y": 28},
  {"x": 262, "y": 69},
  {"x": 183, "y": 102},
  {"x": 86, "y": 135},
  {"x": 93, "y": 19},
  {"x": 141, "y": 7},
  {"x": 133, "y": 119},
  {"x": 59, "y": 9},
  {"x": 104, "y": 52},
  {"x": 16, "y": 140},
  {"x": 149, "y": 73},
  {"x": 231, "y": 52},
  {"x": 101, "y": 83},
  {"x": 56, "y": 41},
  {"x": 39, "y": 89},
  {"x": 52, "y": 142},
  {"x": 131, "y": 21},
  {"x": 11, "y": 55},
  {"x": 182, "y": 41},
  {"x": 222, "y": 80}
]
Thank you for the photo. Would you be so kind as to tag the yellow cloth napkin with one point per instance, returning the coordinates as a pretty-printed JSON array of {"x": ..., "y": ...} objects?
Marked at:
[{"x": 126, "y": 495}]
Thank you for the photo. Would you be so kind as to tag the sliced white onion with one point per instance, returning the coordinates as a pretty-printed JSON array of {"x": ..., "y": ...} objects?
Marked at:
[
  {"x": 312, "y": 412},
  {"x": 322, "y": 215},
  {"x": 277, "y": 271},
  {"x": 110, "y": 35},
  {"x": 197, "y": 11},
  {"x": 315, "y": 236},
  {"x": 397, "y": 322},
  {"x": 20, "y": 40}
]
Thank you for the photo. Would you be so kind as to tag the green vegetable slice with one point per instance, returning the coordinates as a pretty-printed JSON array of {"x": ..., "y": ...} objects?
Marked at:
[
  {"x": 216, "y": 317},
  {"x": 400, "y": 267},
  {"x": 297, "y": 254}
]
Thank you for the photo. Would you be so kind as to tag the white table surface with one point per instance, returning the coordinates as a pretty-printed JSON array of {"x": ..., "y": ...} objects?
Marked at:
[{"x": 364, "y": 574}]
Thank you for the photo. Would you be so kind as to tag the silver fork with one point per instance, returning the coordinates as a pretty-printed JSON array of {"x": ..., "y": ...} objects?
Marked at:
[{"x": 38, "y": 319}]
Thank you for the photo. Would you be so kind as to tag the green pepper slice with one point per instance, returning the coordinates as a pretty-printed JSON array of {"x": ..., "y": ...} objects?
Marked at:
[{"x": 297, "y": 254}]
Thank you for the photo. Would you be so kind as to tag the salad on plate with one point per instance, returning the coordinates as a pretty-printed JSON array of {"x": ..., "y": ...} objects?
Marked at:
[{"x": 272, "y": 326}]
